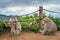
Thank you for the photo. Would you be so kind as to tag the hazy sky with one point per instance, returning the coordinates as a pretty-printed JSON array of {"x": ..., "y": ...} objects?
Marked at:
[{"x": 21, "y": 7}]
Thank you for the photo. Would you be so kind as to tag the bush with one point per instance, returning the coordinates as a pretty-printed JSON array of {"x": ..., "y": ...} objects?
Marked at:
[
  {"x": 58, "y": 28},
  {"x": 25, "y": 26},
  {"x": 34, "y": 28},
  {"x": 1, "y": 25}
]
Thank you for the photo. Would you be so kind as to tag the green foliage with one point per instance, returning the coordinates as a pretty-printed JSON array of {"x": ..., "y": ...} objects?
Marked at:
[
  {"x": 57, "y": 21},
  {"x": 35, "y": 28},
  {"x": 27, "y": 19},
  {"x": 24, "y": 24},
  {"x": 1, "y": 25}
]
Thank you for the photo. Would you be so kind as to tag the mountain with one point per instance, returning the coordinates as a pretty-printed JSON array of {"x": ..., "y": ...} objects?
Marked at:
[{"x": 4, "y": 17}]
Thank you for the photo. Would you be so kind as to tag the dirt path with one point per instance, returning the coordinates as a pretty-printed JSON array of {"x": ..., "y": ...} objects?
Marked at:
[{"x": 29, "y": 36}]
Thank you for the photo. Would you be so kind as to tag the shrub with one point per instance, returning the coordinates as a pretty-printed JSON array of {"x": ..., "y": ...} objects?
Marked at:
[
  {"x": 1, "y": 25},
  {"x": 34, "y": 28}
]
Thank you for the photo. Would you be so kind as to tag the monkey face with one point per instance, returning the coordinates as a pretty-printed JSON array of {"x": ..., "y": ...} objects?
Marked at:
[
  {"x": 30, "y": 24},
  {"x": 46, "y": 20}
]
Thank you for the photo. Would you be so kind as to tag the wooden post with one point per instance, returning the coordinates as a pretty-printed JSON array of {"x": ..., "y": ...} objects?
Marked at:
[{"x": 40, "y": 16}]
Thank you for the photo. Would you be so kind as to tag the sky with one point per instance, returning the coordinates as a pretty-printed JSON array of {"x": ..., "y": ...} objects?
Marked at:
[{"x": 22, "y": 7}]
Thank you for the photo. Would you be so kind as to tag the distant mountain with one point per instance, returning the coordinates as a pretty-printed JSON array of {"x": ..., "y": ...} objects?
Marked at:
[{"x": 4, "y": 17}]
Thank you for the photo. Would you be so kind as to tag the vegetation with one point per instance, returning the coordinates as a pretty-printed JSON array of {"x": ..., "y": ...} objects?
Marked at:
[
  {"x": 27, "y": 19},
  {"x": 1, "y": 25},
  {"x": 24, "y": 21}
]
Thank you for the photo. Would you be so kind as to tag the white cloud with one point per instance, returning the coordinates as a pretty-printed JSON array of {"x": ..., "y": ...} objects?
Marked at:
[
  {"x": 49, "y": 6},
  {"x": 14, "y": 9},
  {"x": 30, "y": 9},
  {"x": 17, "y": 10},
  {"x": 52, "y": 8}
]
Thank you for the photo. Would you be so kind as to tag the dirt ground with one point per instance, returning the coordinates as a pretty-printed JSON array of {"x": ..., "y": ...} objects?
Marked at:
[{"x": 29, "y": 36}]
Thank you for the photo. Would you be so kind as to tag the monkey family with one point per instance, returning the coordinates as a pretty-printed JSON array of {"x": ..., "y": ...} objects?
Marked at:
[{"x": 49, "y": 27}]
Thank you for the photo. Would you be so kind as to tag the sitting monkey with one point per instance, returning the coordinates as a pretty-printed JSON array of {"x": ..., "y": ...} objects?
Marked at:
[
  {"x": 49, "y": 28},
  {"x": 15, "y": 26},
  {"x": 33, "y": 22}
]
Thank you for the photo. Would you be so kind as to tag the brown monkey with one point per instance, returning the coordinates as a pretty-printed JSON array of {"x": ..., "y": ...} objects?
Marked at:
[
  {"x": 50, "y": 26},
  {"x": 15, "y": 25},
  {"x": 33, "y": 22}
]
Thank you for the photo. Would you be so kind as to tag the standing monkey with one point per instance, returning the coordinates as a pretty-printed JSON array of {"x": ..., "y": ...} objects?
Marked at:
[{"x": 49, "y": 28}]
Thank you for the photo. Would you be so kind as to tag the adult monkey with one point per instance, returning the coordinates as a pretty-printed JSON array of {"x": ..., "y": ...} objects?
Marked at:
[
  {"x": 49, "y": 28},
  {"x": 14, "y": 24}
]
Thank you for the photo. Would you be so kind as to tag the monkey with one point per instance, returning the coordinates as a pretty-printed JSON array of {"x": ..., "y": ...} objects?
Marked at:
[
  {"x": 49, "y": 27},
  {"x": 18, "y": 28},
  {"x": 33, "y": 22},
  {"x": 14, "y": 25}
]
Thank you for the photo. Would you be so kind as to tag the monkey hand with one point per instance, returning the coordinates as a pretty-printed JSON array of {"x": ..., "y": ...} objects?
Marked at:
[{"x": 40, "y": 31}]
